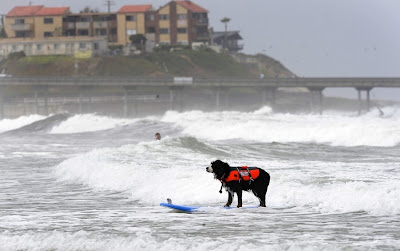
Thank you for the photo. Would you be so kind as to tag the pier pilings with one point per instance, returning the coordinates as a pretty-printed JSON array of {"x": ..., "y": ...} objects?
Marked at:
[
  {"x": 317, "y": 99},
  {"x": 268, "y": 96},
  {"x": 41, "y": 90},
  {"x": 128, "y": 90},
  {"x": 361, "y": 105},
  {"x": 1, "y": 103},
  {"x": 176, "y": 98}
]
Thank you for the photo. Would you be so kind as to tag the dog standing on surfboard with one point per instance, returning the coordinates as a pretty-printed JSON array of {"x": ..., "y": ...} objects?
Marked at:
[{"x": 238, "y": 179}]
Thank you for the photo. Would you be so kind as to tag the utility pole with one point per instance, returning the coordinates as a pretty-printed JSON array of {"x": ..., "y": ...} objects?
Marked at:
[{"x": 109, "y": 3}]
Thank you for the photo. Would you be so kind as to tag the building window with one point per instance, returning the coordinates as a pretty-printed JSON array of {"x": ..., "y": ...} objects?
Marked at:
[
  {"x": 131, "y": 18},
  {"x": 14, "y": 47},
  {"x": 151, "y": 30},
  {"x": 130, "y": 32},
  {"x": 21, "y": 34},
  {"x": 70, "y": 33},
  {"x": 164, "y": 17},
  {"x": 82, "y": 45},
  {"x": 164, "y": 31},
  {"x": 101, "y": 32},
  {"x": 83, "y": 32},
  {"x": 113, "y": 31},
  {"x": 181, "y": 30},
  {"x": 96, "y": 46},
  {"x": 56, "y": 46},
  {"x": 48, "y": 34},
  {"x": 149, "y": 16},
  {"x": 181, "y": 16},
  {"x": 48, "y": 20},
  {"x": 84, "y": 19},
  {"x": 39, "y": 47},
  {"x": 19, "y": 21}
]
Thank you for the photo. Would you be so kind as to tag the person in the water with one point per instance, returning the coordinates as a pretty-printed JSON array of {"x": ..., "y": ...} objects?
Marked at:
[{"x": 158, "y": 136}]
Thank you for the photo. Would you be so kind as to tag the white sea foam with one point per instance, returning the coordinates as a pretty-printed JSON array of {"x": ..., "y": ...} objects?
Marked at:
[
  {"x": 154, "y": 171},
  {"x": 12, "y": 124},
  {"x": 89, "y": 123},
  {"x": 340, "y": 192},
  {"x": 151, "y": 171},
  {"x": 142, "y": 239},
  {"x": 262, "y": 125}
]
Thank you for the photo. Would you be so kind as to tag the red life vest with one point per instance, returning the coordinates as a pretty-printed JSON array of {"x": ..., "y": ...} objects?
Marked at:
[{"x": 242, "y": 174}]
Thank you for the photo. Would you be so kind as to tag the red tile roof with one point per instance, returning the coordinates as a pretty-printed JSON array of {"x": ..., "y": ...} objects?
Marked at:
[
  {"x": 23, "y": 11},
  {"x": 191, "y": 6},
  {"x": 52, "y": 11},
  {"x": 134, "y": 8}
]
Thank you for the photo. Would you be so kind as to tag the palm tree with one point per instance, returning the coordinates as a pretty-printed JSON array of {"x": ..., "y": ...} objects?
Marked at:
[{"x": 225, "y": 20}]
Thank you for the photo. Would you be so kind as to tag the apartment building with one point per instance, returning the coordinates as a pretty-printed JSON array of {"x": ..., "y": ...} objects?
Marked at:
[
  {"x": 35, "y": 21},
  {"x": 182, "y": 22},
  {"x": 178, "y": 22},
  {"x": 136, "y": 19},
  {"x": 91, "y": 25}
]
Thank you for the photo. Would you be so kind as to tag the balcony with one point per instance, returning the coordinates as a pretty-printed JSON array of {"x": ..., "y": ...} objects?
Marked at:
[
  {"x": 100, "y": 24},
  {"x": 82, "y": 25},
  {"x": 235, "y": 47},
  {"x": 200, "y": 21},
  {"x": 68, "y": 26},
  {"x": 21, "y": 27},
  {"x": 113, "y": 23}
]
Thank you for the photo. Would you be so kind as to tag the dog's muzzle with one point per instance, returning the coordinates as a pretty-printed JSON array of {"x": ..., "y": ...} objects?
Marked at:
[{"x": 209, "y": 169}]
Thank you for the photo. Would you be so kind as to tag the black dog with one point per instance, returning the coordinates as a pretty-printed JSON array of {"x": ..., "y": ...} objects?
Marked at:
[{"x": 237, "y": 179}]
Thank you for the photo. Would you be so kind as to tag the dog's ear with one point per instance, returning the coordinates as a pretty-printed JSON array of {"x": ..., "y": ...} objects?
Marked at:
[{"x": 226, "y": 166}]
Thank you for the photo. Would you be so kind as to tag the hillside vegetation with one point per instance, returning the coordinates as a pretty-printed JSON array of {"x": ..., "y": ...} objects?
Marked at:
[{"x": 197, "y": 63}]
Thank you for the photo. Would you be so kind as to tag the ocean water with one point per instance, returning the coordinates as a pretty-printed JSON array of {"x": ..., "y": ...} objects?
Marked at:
[{"x": 89, "y": 182}]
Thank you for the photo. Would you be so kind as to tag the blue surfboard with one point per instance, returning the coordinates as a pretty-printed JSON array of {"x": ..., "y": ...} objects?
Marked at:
[
  {"x": 180, "y": 207},
  {"x": 197, "y": 208}
]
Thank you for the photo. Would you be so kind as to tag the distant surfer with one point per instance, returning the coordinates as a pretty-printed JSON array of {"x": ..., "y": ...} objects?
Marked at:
[{"x": 158, "y": 136}]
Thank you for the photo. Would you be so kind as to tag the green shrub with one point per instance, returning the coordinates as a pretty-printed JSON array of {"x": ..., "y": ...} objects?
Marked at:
[{"x": 16, "y": 55}]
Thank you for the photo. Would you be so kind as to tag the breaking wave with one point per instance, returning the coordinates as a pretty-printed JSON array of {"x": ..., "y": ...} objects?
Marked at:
[
  {"x": 263, "y": 126},
  {"x": 89, "y": 123},
  {"x": 153, "y": 171},
  {"x": 12, "y": 124},
  {"x": 333, "y": 128}
]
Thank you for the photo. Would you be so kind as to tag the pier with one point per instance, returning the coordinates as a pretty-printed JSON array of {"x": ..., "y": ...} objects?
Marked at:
[{"x": 218, "y": 87}]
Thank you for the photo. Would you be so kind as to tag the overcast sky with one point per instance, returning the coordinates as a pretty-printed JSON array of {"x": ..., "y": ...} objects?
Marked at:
[{"x": 310, "y": 37}]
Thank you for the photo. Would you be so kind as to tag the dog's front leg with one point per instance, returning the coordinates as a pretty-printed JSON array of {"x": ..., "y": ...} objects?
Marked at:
[
  {"x": 239, "y": 194},
  {"x": 230, "y": 197}
]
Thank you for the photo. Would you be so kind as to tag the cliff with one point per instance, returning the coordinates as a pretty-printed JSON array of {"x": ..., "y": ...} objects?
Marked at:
[{"x": 197, "y": 63}]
